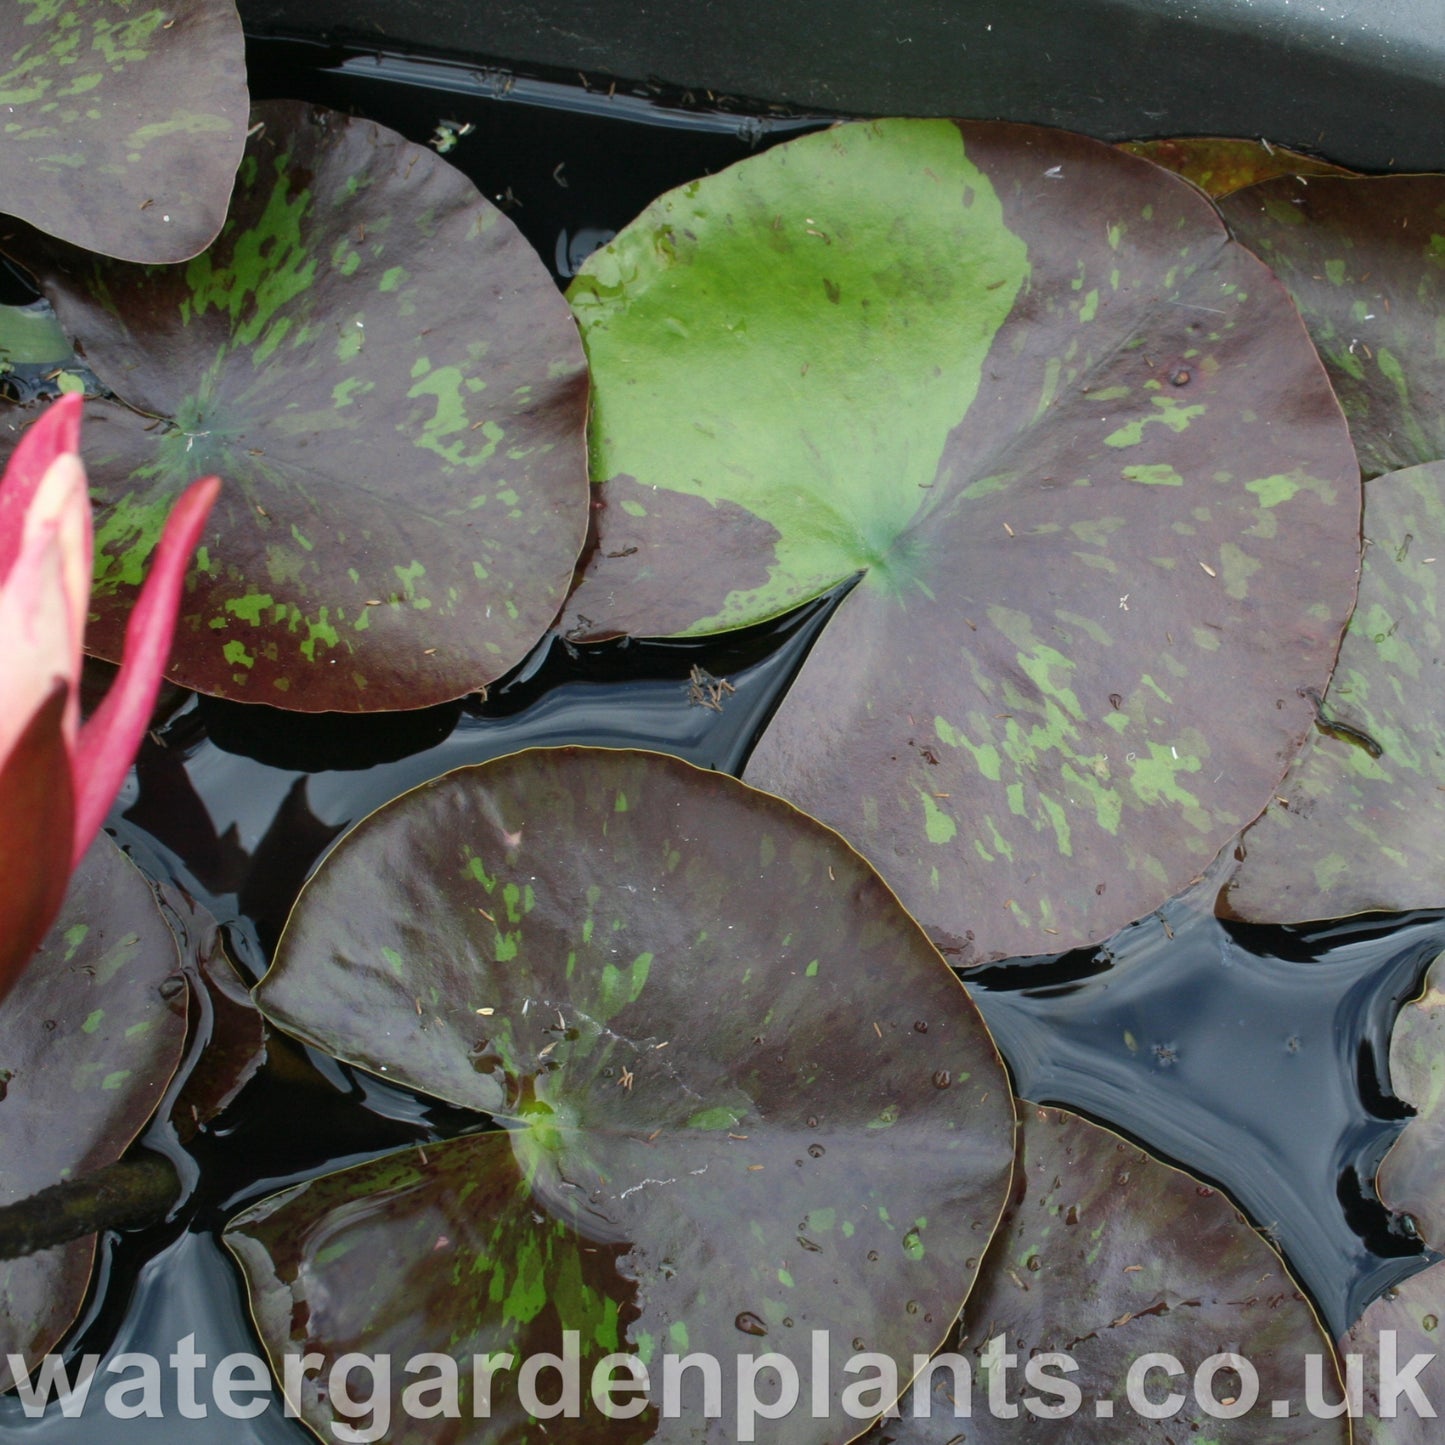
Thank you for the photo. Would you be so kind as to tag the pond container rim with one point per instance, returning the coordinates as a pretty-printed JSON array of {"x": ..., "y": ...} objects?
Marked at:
[{"x": 1361, "y": 82}]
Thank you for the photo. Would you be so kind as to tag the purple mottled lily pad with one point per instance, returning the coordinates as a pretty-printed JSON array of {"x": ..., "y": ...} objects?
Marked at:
[
  {"x": 1107, "y": 1265},
  {"x": 380, "y": 369},
  {"x": 123, "y": 124},
  {"x": 745, "y": 1101},
  {"x": 1220, "y": 165},
  {"x": 90, "y": 1036},
  {"x": 1411, "y": 1178},
  {"x": 1358, "y": 822},
  {"x": 1400, "y": 1375},
  {"x": 1364, "y": 259},
  {"x": 1073, "y": 442}
]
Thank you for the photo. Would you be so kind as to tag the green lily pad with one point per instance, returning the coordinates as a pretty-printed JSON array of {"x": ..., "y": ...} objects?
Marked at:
[
  {"x": 90, "y": 1036},
  {"x": 1359, "y": 820},
  {"x": 1076, "y": 446},
  {"x": 1400, "y": 1325},
  {"x": 123, "y": 124},
  {"x": 1411, "y": 1178},
  {"x": 1221, "y": 165},
  {"x": 380, "y": 369},
  {"x": 744, "y": 1100},
  {"x": 1105, "y": 1256},
  {"x": 1364, "y": 259}
]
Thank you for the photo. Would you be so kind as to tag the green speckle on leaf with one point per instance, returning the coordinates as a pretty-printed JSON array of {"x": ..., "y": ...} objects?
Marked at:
[
  {"x": 1172, "y": 413},
  {"x": 1156, "y": 474},
  {"x": 619, "y": 987},
  {"x": 940, "y": 827},
  {"x": 718, "y": 1118},
  {"x": 251, "y": 608}
]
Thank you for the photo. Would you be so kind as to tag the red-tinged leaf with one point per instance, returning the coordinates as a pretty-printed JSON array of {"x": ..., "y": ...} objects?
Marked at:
[
  {"x": 108, "y": 742},
  {"x": 41, "y": 641},
  {"x": 47, "y": 594},
  {"x": 36, "y": 811},
  {"x": 1219, "y": 165},
  {"x": 1362, "y": 258},
  {"x": 56, "y": 430}
]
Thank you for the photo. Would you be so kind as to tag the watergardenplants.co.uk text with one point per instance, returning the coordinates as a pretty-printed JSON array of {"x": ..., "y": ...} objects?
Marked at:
[{"x": 750, "y": 1388}]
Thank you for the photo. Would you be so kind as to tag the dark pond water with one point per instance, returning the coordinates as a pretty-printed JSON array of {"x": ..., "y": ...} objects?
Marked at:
[{"x": 1254, "y": 1057}]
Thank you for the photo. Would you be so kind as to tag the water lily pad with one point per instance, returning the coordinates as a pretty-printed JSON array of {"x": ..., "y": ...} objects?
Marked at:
[
  {"x": 380, "y": 369},
  {"x": 89, "y": 1038},
  {"x": 1364, "y": 259},
  {"x": 1220, "y": 165},
  {"x": 1359, "y": 820},
  {"x": 1412, "y": 1175},
  {"x": 123, "y": 124},
  {"x": 744, "y": 1099},
  {"x": 1399, "y": 1326},
  {"x": 1076, "y": 445},
  {"x": 1106, "y": 1256}
]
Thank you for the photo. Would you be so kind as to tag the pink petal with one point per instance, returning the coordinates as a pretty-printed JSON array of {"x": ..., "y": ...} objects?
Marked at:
[
  {"x": 54, "y": 431},
  {"x": 108, "y": 742},
  {"x": 37, "y": 633},
  {"x": 61, "y": 506}
]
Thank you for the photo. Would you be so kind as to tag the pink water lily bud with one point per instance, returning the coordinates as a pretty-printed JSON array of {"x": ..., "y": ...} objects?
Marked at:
[{"x": 57, "y": 778}]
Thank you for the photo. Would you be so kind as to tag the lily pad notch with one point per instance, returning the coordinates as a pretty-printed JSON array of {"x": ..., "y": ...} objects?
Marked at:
[{"x": 1079, "y": 447}]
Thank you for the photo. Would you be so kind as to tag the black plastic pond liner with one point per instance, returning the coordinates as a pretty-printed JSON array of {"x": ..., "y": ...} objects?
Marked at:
[{"x": 1361, "y": 81}]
